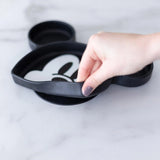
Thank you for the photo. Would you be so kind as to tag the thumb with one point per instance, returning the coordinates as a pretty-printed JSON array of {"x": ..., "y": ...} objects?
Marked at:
[{"x": 103, "y": 73}]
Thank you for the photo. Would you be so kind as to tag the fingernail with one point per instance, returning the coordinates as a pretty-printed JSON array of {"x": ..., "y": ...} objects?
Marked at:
[{"x": 87, "y": 91}]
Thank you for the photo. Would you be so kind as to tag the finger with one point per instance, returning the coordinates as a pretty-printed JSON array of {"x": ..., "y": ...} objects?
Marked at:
[
  {"x": 96, "y": 66},
  {"x": 94, "y": 80},
  {"x": 86, "y": 64}
]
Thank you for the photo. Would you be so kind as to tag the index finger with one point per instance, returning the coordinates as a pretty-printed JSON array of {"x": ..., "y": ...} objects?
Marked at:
[{"x": 86, "y": 64}]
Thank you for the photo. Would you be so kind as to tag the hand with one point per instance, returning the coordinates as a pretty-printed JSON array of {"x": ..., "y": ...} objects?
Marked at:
[{"x": 113, "y": 54}]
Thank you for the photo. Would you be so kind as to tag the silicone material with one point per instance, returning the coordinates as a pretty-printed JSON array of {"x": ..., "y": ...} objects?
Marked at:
[
  {"x": 62, "y": 100},
  {"x": 51, "y": 69},
  {"x": 37, "y": 59},
  {"x": 50, "y": 32},
  {"x": 135, "y": 80}
]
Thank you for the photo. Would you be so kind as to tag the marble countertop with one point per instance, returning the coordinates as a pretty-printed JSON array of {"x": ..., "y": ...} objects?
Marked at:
[{"x": 120, "y": 124}]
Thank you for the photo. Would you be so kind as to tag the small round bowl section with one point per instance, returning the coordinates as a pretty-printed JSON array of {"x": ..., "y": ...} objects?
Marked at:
[{"x": 50, "y": 32}]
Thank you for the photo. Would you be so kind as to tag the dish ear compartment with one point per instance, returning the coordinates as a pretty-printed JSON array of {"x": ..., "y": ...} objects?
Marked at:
[
  {"x": 50, "y": 32},
  {"x": 136, "y": 79}
]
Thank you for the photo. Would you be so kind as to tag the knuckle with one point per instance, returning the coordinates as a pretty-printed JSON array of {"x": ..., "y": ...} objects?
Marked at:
[
  {"x": 93, "y": 38},
  {"x": 97, "y": 36},
  {"x": 95, "y": 81},
  {"x": 100, "y": 33}
]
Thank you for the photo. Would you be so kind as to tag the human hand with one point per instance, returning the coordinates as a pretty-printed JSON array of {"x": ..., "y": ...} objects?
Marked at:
[{"x": 113, "y": 54}]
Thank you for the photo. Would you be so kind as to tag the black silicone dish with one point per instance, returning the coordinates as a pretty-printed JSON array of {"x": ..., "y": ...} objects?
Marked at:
[
  {"x": 62, "y": 91},
  {"x": 51, "y": 48},
  {"x": 57, "y": 91},
  {"x": 50, "y": 32}
]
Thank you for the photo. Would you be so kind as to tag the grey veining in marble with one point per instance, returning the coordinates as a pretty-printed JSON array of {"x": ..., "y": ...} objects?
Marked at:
[{"x": 120, "y": 124}]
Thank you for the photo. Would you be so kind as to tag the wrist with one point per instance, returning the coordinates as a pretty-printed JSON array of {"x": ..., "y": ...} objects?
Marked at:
[{"x": 154, "y": 46}]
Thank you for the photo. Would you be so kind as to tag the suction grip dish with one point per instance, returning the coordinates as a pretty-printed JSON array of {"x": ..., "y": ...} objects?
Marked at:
[
  {"x": 51, "y": 68},
  {"x": 53, "y": 61},
  {"x": 59, "y": 64}
]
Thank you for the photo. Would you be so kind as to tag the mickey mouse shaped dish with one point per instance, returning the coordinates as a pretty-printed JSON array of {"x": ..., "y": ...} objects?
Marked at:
[{"x": 51, "y": 68}]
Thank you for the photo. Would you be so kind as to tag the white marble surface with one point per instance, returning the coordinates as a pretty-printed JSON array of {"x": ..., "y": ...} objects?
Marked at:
[{"x": 120, "y": 124}]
